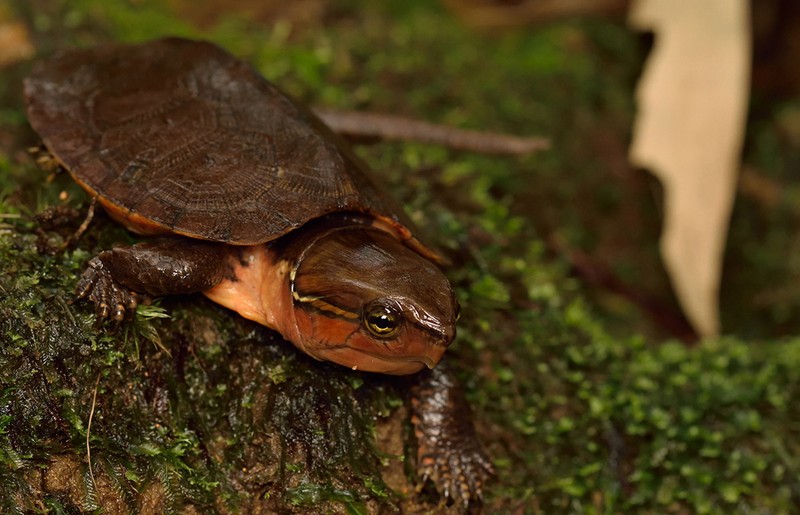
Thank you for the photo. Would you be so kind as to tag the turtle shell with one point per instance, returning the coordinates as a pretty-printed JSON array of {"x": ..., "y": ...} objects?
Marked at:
[{"x": 178, "y": 136}]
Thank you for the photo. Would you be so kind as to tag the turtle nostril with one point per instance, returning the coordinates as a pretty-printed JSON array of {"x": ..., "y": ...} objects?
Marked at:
[{"x": 446, "y": 336}]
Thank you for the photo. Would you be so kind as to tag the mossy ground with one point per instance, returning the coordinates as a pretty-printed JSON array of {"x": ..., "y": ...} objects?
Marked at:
[{"x": 203, "y": 411}]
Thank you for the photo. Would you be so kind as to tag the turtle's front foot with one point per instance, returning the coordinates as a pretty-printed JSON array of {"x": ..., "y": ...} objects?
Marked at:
[
  {"x": 112, "y": 301},
  {"x": 449, "y": 452}
]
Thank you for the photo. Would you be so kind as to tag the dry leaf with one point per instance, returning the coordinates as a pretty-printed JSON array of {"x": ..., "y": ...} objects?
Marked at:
[{"x": 692, "y": 102}]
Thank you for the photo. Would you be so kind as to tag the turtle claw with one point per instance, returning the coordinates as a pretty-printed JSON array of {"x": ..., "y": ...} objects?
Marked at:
[
  {"x": 449, "y": 453},
  {"x": 458, "y": 473},
  {"x": 112, "y": 300}
]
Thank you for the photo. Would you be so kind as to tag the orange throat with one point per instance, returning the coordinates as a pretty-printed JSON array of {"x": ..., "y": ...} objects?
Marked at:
[{"x": 260, "y": 290}]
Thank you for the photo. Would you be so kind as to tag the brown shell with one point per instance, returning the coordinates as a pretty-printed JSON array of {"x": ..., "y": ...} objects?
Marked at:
[{"x": 180, "y": 136}]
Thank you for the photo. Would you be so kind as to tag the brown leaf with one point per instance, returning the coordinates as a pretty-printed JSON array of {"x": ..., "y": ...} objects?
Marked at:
[{"x": 689, "y": 131}]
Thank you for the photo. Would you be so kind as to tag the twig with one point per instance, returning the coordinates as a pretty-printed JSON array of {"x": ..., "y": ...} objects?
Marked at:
[
  {"x": 498, "y": 15},
  {"x": 67, "y": 310},
  {"x": 82, "y": 229},
  {"x": 89, "y": 432},
  {"x": 357, "y": 124}
]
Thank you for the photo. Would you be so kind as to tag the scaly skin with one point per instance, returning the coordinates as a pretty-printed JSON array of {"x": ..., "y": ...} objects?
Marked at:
[{"x": 449, "y": 452}]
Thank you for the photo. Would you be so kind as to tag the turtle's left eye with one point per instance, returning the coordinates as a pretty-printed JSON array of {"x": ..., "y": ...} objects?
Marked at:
[{"x": 382, "y": 321}]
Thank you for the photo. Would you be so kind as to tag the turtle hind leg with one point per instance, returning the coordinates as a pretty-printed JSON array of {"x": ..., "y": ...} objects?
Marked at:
[
  {"x": 117, "y": 280},
  {"x": 449, "y": 452}
]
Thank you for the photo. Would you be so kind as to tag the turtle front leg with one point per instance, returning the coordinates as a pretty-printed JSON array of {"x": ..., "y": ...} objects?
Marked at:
[
  {"x": 449, "y": 452},
  {"x": 117, "y": 280}
]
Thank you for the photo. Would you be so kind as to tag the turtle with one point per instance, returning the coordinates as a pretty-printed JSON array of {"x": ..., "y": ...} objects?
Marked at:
[{"x": 243, "y": 195}]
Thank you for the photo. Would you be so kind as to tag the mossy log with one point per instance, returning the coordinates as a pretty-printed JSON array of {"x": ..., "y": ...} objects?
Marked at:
[{"x": 185, "y": 409}]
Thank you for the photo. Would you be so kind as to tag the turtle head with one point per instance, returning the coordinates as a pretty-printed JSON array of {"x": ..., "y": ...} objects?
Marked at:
[{"x": 364, "y": 300}]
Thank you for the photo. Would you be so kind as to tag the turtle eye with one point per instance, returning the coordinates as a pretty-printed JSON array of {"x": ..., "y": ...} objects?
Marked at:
[{"x": 382, "y": 321}]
